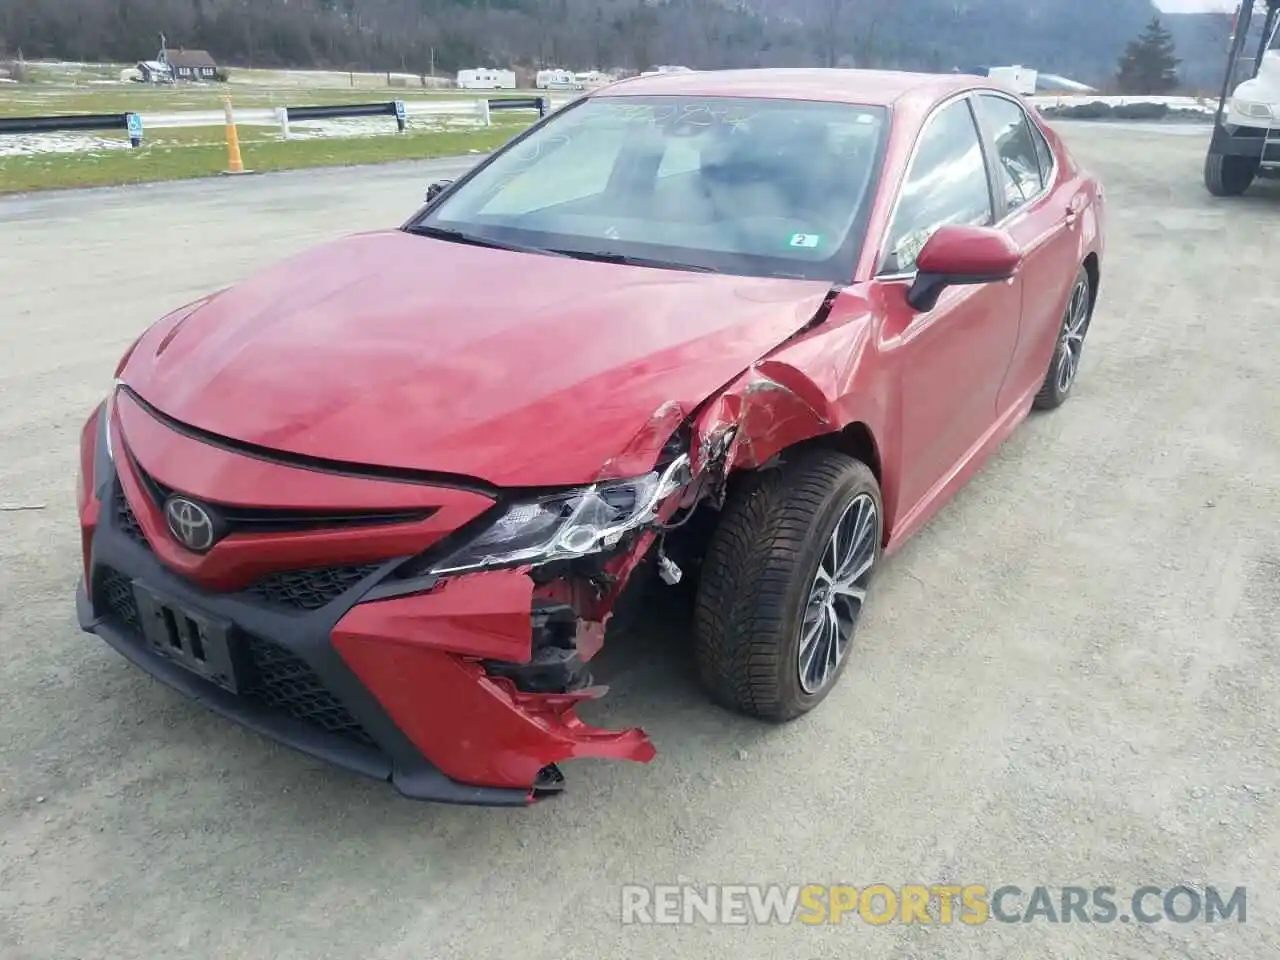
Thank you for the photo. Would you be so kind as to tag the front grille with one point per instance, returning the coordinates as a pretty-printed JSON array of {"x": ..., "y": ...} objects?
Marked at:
[
  {"x": 299, "y": 589},
  {"x": 278, "y": 679},
  {"x": 308, "y": 589},
  {"x": 126, "y": 520},
  {"x": 256, "y": 520}
]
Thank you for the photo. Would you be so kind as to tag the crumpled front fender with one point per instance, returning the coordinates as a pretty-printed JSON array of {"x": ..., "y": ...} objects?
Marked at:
[{"x": 772, "y": 406}]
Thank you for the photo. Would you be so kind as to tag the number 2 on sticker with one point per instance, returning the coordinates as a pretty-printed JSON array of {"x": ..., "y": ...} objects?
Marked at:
[{"x": 806, "y": 240}]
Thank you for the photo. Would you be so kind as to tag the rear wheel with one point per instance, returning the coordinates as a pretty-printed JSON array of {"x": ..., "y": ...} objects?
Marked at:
[
  {"x": 1228, "y": 176},
  {"x": 1065, "y": 363},
  {"x": 784, "y": 582}
]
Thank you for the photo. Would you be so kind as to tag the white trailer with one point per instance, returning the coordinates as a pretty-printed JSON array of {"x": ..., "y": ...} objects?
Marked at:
[
  {"x": 556, "y": 80},
  {"x": 1020, "y": 79},
  {"x": 486, "y": 78},
  {"x": 591, "y": 79}
]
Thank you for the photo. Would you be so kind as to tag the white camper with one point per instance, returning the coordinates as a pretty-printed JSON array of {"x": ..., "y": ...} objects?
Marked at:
[{"x": 486, "y": 78}]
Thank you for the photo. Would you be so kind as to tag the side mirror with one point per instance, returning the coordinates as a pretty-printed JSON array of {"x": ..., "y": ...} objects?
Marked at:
[
  {"x": 436, "y": 189},
  {"x": 957, "y": 255}
]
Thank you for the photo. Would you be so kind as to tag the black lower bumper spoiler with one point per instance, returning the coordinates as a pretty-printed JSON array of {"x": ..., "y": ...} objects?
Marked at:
[{"x": 423, "y": 782}]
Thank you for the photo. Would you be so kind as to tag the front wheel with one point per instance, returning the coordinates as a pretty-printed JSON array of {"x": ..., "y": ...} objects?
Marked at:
[
  {"x": 784, "y": 582},
  {"x": 1229, "y": 176}
]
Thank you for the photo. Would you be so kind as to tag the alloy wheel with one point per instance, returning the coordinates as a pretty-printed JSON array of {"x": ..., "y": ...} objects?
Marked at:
[
  {"x": 837, "y": 593},
  {"x": 1071, "y": 341}
]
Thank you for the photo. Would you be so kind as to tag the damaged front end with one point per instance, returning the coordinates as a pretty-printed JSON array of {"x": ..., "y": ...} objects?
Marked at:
[{"x": 480, "y": 650}]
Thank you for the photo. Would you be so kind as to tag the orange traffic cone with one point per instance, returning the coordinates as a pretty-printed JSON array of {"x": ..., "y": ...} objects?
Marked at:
[{"x": 235, "y": 165}]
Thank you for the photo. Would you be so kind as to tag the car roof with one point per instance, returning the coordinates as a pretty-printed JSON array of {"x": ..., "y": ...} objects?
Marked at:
[{"x": 863, "y": 87}]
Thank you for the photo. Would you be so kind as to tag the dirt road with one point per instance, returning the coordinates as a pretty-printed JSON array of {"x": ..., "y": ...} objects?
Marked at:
[{"x": 1069, "y": 678}]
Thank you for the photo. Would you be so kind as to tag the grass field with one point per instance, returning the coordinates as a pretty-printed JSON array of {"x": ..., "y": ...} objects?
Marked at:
[
  {"x": 173, "y": 154},
  {"x": 202, "y": 152}
]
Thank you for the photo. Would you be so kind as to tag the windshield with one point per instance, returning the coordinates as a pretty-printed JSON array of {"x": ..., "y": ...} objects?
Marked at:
[{"x": 736, "y": 185}]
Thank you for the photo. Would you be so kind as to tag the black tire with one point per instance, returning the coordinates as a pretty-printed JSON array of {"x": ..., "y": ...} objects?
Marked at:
[
  {"x": 1054, "y": 391},
  {"x": 761, "y": 562},
  {"x": 1228, "y": 176}
]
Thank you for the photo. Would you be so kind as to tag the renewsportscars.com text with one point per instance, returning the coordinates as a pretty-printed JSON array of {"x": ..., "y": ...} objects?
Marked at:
[{"x": 970, "y": 904}]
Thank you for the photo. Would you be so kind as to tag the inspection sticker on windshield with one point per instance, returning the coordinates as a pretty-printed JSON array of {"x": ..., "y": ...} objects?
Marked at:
[{"x": 807, "y": 240}]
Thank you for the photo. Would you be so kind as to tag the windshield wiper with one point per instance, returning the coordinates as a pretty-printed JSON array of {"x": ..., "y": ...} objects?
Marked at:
[
  {"x": 460, "y": 236},
  {"x": 608, "y": 256}
]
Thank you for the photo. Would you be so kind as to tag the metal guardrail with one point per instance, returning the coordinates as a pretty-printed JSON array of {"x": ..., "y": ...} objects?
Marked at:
[
  {"x": 59, "y": 124},
  {"x": 520, "y": 103},
  {"x": 399, "y": 109},
  {"x": 346, "y": 110}
]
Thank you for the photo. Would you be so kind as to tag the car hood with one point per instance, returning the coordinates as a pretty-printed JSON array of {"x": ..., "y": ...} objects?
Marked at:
[{"x": 407, "y": 352}]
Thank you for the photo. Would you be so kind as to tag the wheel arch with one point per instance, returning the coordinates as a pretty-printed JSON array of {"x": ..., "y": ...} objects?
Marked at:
[
  {"x": 1092, "y": 267},
  {"x": 776, "y": 410},
  {"x": 857, "y": 440}
]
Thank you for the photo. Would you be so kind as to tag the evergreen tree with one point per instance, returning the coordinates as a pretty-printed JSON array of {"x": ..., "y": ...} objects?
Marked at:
[{"x": 1149, "y": 65}]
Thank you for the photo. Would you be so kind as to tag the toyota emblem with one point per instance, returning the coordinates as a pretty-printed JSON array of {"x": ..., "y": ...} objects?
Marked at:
[{"x": 190, "y": 524}]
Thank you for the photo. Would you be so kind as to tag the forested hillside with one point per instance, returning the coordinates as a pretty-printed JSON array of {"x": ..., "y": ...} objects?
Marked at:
[{"x": 1080, "y": 39}]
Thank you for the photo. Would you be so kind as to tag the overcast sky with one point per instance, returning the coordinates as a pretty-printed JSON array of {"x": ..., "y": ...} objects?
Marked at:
[{"x": 1195, "y": 6}]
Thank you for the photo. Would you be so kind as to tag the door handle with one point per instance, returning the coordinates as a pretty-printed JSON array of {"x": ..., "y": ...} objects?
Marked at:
[{"x": 1073, "y": 211}]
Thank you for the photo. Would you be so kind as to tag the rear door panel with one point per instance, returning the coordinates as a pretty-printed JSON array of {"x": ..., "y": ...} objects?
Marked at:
[{"x": 1037, "y": 202}]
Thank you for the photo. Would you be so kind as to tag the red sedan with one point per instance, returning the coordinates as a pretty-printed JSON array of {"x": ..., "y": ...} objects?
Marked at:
[{"x": 744, "y": 332}]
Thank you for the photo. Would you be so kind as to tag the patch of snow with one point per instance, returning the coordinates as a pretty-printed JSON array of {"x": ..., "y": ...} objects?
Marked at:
[
  {"x": 35, "y": 144},
  {"x": 376, "y": 126},
  {"x": 1079, "y": 99}
]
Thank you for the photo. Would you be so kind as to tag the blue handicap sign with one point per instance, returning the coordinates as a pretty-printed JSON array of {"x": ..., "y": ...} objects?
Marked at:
[
  {"x": 401, "y": 116},
  {"x": 135, "y": 128}
]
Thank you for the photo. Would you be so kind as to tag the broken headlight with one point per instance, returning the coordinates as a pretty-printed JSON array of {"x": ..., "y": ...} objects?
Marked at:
[
  {"x": 571, "y": 524},
  {"x": 108, "y": 411}
]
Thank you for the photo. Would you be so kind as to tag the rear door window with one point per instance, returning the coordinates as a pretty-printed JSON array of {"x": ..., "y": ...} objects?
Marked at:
[{"x": 1018, "y": 164}]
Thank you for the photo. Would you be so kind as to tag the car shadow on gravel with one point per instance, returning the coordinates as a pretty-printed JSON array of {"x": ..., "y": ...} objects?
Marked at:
[{"x": 647, "y": 662}]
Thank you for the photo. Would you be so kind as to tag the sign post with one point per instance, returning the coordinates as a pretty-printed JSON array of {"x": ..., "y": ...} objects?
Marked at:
[{"x": 135, "y": 129}]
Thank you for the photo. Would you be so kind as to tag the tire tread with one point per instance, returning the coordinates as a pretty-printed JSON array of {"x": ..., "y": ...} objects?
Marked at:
[{"x": 746, "y": 598}]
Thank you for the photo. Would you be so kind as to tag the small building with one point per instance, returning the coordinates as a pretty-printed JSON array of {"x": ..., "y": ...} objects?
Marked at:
[
  {"x": 193, "y": 65},
  {"x": 486, "y": 78}
]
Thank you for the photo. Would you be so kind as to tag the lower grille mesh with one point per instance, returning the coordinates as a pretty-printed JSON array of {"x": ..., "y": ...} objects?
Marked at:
[
  {"x": 279, "y": 679},
  {"x": 284, "y": 682},
  {"x": 115, "y": 597},
  {"x": 308, "y": 589}
]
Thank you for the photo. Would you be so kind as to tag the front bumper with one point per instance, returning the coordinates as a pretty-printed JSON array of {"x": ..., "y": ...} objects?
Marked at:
[
  {"x": 311, "y": 701},
  {"x": 386, "y": 684}
]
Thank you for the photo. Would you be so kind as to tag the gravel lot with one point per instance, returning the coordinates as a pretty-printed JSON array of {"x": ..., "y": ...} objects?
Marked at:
[{"x": 1069, "y": 678}]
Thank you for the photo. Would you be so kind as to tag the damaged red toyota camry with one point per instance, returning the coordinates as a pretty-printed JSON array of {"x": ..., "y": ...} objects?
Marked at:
[{"x": 740, "y": 333}]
